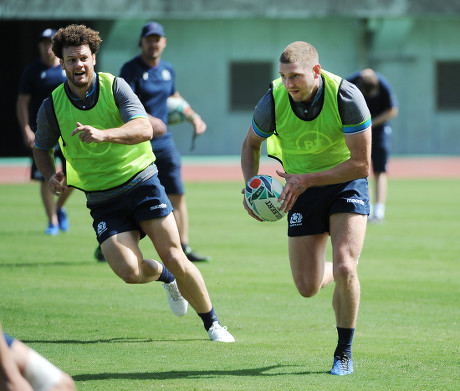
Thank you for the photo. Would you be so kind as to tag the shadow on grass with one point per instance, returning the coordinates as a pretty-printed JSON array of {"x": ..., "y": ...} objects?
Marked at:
[
  {"x": 247, "y": 372},
  {"x": 107, "y": 340},
  {"x": 48, "y": 264}
]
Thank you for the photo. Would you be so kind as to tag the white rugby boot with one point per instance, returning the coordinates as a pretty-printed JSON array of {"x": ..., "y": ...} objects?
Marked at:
[
  {"x": 177, "y": 303},
  {"x": 219, "y": 334}
]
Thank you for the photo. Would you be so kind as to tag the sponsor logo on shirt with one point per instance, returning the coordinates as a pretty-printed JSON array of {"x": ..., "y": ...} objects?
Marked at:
[
  {"x": 355, "y": 201},
  {"x": 160, "y": 206}
]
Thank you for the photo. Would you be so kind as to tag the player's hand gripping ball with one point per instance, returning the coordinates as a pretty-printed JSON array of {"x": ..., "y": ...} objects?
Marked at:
[{"x": 261, "y": 194}]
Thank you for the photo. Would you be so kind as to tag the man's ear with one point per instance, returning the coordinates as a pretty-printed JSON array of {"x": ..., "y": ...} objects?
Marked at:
[{"x": 317, "y": 70}]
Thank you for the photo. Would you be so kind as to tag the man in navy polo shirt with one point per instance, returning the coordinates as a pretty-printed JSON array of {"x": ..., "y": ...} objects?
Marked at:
[
  {"x": 37, "y": 82},
  {"x": 153, "y": 80},
  {"x": 383, "y": 105}
]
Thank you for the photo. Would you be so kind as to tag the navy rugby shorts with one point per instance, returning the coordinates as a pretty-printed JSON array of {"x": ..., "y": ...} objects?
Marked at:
[
  {"x": 312, "y": 210},
  {"x": 380, "y": 149},
  {"x": 168, "y": 162},
  {"x": 145, "y": 201}
]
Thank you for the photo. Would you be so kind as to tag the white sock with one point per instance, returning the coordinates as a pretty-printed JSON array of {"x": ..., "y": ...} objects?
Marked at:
[{"x": 379, "y": 211}]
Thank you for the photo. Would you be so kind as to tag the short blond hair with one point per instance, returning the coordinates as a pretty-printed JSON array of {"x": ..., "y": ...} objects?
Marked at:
[{"x": 300, "y": 51}]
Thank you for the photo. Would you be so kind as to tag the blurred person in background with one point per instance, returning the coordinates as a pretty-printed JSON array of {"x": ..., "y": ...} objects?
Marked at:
[
  {"x": 37, "y": 82},
  {"x": 153, "y": 81},
  {"x": 382, "y": 103}
]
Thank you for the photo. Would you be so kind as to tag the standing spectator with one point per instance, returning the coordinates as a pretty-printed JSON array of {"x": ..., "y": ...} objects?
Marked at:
[
  {"x": 104, "y": 133},
  {"x": 383, "y": 106},
  {"x": 153, "y": 81},
  {"x": 37, "y": 81},
  {"x": 318, "y": 126}
]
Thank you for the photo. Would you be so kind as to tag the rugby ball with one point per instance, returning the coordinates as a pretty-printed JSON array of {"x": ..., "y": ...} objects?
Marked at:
[
  {"x": 261, "y": 194},
  {"x": 178, "y": 110}
]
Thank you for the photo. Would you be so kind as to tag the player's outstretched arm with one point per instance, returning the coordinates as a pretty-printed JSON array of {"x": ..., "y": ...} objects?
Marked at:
[{"x": 135, "y": 131}]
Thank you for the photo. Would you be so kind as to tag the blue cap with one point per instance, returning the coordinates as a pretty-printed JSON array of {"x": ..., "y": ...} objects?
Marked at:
[
  {"x": 152, "y": 28},
  {"x": 47, "y": 34}
]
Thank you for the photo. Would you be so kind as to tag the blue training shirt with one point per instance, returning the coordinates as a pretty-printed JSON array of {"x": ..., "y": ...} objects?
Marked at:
[
  {"x": 153, "y": 86},
  {"x": 384, "y": 99},
  {"x": 38, "y": 80}
]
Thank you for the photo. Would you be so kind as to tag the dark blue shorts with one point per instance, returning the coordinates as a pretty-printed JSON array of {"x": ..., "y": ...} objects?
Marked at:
[
  {"x": 37, "y": 175},
  {"x": 380, "y": 149},
  {"x": 168, "y": 162},
  {"x": 312, "y": 210},
  {"x": 9, "y": 339},
  {"x": 145, "y": 201}
]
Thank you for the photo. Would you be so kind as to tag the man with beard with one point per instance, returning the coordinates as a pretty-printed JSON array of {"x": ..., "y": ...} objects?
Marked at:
[
  {"x": 104, "y": 133},
  {"x": 153, "y": 81}
]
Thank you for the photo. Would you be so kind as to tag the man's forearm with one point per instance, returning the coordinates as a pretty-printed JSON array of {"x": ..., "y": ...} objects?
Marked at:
[{"x": 45, "y": 162}]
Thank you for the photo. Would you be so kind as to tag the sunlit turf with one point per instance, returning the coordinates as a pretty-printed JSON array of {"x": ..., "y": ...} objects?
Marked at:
[{"x": 112, "y": 336}]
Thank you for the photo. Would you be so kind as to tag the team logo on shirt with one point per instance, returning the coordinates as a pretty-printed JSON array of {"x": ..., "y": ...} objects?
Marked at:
[
  {"x": 145, "y": 75},
  {"x": 296, "y": 220},
  {"x": 165, "y": 74},
  {"x": 313, "y": 142},
  {"x": 101, "y": 228}
]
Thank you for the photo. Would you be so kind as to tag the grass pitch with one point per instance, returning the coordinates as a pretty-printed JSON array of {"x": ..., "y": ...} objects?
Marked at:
[{"x": 111, "y": 336}]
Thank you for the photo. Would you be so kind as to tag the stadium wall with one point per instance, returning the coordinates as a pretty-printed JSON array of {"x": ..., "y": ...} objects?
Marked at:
[
  {"x": 403, "y": 43},
  {"x": 404, "y": 50}
]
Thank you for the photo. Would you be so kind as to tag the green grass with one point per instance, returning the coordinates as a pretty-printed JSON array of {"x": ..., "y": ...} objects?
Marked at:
[{"x": 113, "y": 336}]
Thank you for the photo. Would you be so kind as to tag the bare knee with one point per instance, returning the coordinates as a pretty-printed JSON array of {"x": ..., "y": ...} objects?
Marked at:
[
  {"x": 176, "y": 262},
  {"x": 307, "y": 288},
  {"x": 344, "y": 272},
  {"x": 130, "y": 279},
  {"x": 130, "y": 276}
]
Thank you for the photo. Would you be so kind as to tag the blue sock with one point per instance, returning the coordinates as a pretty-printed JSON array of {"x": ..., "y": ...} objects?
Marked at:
[
  {"x": 345, "y": 341},
  {"x": 166, "y": 276},
  {"x": 208, "y": 318}
]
